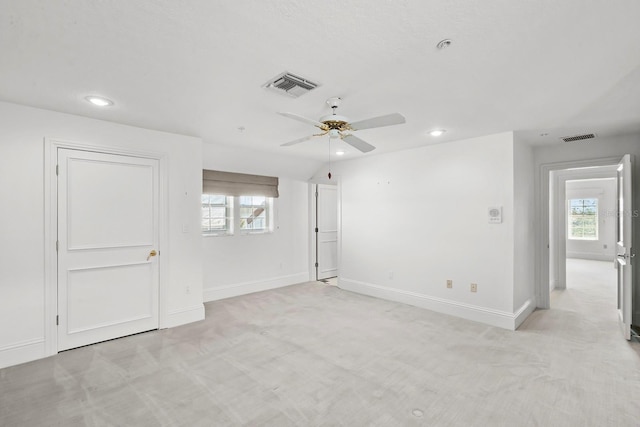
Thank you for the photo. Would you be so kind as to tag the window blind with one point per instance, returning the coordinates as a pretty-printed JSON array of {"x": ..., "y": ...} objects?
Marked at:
[{"x": 238, "y": 184}]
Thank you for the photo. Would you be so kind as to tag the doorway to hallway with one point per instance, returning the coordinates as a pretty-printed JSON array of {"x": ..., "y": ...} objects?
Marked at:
[{"x": 326, "y": 231}]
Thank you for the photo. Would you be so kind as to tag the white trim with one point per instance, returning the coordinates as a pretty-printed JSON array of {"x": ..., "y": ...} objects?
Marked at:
[
  {"x": 22, "y": 352},
  {"x": 312, "y": 234},
  {"x": 522, "y": 313},
  {"x": 498, "y": 318},
  {"x": 183, "y": 316},
  {"x": 542, "y": 240},
  {"x": 237, "y": 289},
  {"x": 51, "y": 146}
]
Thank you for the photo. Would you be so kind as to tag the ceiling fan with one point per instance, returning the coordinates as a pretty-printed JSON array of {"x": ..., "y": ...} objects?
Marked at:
[{"x": 337, "y": 126}]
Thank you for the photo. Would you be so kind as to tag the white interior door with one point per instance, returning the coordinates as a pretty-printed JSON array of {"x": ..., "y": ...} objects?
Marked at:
[
  {"x": 327, "y": 231},
  {"x": 107, "y": 229},
  {"x": 624, "y": 245}
]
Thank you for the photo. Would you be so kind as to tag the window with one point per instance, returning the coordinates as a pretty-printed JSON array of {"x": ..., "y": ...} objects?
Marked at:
[
  {"x": 217, "y": 211},
  {"x": 583, "y": 219},
  {"x": 253, "y": 213},
  {"x": 237, "y": 201},
  {"x": 249, "y": 214}
]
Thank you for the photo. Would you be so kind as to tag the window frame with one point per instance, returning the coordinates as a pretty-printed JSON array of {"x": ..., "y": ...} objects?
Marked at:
[
  {"x": 268, "y": 218},
  {"x": 234, "y": 220},
  {"x": 229, "y": 215},
  {"x": 583, "y": 216}
]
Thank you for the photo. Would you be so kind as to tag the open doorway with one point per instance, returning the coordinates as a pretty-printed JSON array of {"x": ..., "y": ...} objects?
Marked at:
[
  {"x": 325, "y": 240},
  {"x": 586, "y": 216},
  {"x": 582, "y": 219},
  {"x": 590, "y": 238}
]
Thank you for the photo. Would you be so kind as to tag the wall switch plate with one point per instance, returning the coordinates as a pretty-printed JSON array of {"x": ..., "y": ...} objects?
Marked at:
[
  {"x": 449, "y": 284},
  {"x": 474, "y": 287}
]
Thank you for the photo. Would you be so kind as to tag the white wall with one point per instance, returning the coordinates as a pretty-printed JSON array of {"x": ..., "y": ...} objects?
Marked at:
[
  {"x": 413, "y": 219},
  {"x": 524, "y": 229},
  {"x": 240, "y": 264},
  {"x": 602, "y": 249},
  {"x": 553, "y": 232},
  {"x": 22, "y": 194}
]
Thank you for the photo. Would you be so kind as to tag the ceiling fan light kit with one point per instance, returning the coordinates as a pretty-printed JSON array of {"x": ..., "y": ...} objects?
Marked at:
[{"x": 337, "y": 126}]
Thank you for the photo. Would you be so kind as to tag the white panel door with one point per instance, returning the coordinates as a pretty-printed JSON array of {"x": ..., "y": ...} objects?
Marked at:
[
  {"x": 327, "y": 234},
  {"x": 107, "y": 229},
  {"x": 624, "y": 245}
]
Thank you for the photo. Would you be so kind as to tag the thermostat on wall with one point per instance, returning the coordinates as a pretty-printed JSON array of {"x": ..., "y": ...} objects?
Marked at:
[{"x": 495, "y": 215}]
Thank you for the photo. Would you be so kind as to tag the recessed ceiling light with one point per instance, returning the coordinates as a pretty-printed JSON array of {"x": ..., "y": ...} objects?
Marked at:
[
  {"x": 340, "y": 153},
  {"x": 437, "y": 132},
  {"x": 99, "y": 101}
]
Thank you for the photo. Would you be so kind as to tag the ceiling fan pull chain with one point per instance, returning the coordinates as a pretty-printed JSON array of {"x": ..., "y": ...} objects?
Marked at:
[{"x": 329, "y": 175}]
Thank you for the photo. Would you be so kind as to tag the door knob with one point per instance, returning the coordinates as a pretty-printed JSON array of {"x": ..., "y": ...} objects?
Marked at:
[{"x": 152, "y": 253}]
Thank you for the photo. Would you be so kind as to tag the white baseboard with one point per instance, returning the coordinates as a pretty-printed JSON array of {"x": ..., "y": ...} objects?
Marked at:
[
  {"x": 501, "y": 319},
  {"x": 185, "y": 315},
  {"x": 590, "y": 255},
  {"x": 236, "y": 289},
  {"x": 523, "y": 312},
  {"x": 22, "y": 352}
]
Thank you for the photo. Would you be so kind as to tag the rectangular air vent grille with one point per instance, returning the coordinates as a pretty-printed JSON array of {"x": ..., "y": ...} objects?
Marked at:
[
  {"x": 576, "y": 138},
  {"x": 290, "y": 84}
]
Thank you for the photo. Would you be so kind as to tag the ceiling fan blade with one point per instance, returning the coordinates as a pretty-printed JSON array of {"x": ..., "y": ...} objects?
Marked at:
[
  {"x": 357, "y": 143},
  {"x": 297, "y": 141},
  {"x": 304, "y": 120},
  {"x": 377, "y": 122}
]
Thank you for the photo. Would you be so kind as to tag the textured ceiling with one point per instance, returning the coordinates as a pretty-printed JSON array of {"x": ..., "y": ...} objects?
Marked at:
[{"x": 197, "y": 67}]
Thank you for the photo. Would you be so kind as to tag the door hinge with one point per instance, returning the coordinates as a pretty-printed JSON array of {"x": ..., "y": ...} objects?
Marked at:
[
  {"x": 317, "y": 229},
  {"x": 57, "y": 245},
  {"x": 57, "y": 170},
  {"x": 57, "y": 320},
  {"x": 316, "y": 265}
]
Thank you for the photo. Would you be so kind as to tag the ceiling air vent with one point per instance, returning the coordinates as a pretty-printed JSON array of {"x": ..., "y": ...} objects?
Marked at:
[
  {"x": 576, "y": 138},
  {"x": 290, "y": 84}
]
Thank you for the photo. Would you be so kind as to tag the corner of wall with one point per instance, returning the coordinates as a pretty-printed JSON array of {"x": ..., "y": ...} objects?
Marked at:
[
  {"x": 185, "y": 315},
  {"x": 236, "y": 289}
]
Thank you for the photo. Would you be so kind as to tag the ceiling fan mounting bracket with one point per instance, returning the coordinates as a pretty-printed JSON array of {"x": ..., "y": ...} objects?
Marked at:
[{"x": 334, "y": 102}]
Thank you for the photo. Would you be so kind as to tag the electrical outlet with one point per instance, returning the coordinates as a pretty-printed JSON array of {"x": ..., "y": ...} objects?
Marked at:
[
  {"x": 474, "y": 287},
  {"x": 390, "y": 274},
  {"x": 449, "y": 284}
]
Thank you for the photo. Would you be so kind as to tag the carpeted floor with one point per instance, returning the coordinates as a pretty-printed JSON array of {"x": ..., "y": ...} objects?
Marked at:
[{"x": 314, "y": 355}]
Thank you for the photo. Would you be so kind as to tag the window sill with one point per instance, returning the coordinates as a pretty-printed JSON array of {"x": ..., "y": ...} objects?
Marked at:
[
  {"x": 217, "y": 235},
  {"x": 251, "y": 233}
]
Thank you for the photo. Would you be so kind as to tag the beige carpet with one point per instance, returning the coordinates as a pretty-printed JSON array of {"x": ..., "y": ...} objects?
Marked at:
[{"x": 314, "y": 355}]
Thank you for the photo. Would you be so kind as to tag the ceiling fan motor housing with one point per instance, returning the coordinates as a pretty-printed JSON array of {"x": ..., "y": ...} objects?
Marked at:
[{"x": 335, "y": 121}]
